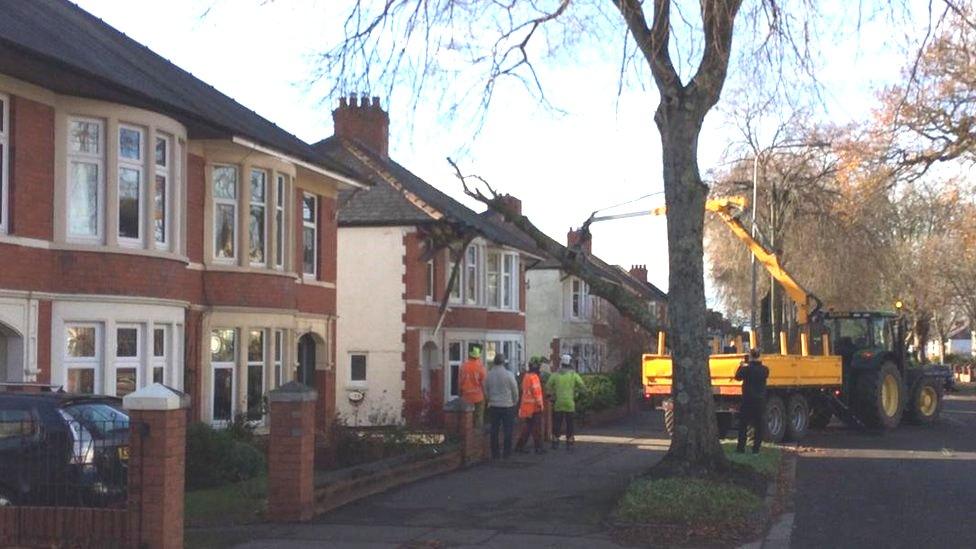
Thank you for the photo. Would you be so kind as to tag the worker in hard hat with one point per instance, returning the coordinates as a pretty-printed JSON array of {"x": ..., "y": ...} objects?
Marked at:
[
  {"x": 530, "y": 410},
  {"x": 562, "y": 387},
  {"x": 471, "y": 381}
]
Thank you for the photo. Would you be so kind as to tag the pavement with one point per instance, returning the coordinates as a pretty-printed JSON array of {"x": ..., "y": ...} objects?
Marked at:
[
  {"x": 914, "y": 486},
  {"x": 555, "y": 500}
]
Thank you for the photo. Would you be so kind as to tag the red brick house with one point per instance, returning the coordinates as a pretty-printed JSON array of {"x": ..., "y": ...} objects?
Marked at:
[
  {"x": 152, "y": 228},
  {"x": 397, "y": 355}
]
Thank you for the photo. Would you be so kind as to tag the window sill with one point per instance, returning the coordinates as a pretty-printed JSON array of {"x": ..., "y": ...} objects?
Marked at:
[
  {"x": 313, "y": 282},
  {"x": 232, "y": 268}
]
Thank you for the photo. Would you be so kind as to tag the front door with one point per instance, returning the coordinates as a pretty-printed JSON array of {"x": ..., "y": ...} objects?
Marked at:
[{"x": 306, "y": 360}]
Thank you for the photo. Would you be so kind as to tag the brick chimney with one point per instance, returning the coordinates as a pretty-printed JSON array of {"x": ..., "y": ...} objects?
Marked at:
[
  {"x": 512, "y": 203},
  {"x": 576, "y": 238},
  {"x": 363, "y": 121},
  {"x": 639, "y": 272}
]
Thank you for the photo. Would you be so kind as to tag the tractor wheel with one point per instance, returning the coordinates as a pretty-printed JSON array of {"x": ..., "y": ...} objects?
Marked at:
[
  {"x": 820, "y": 415},
  {"x": 775, "y": 419},
  {"x": 880, "y": 397},
  {"x": 926, "y": 403},
  {"x": 669, "y": 419},
  {"x": 797, "y": 417},
  {"x": 724, "y": 420}
]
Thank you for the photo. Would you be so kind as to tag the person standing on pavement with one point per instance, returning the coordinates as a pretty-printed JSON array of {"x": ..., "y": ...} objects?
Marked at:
[
  {"x": 503, "y": 394},
  {"x": 472, "y": 385},
  {"x": 753, "y": 375},
  {"x": 530, "y": 410},
  {"x": 562, "y": 387}
]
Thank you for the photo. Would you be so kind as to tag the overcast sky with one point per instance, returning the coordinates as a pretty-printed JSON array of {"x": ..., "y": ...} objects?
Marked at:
[{"x": 601, "y": 152}]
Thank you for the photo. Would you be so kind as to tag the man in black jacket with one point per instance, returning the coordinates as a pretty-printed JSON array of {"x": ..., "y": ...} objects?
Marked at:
[{"x": 753, "y": 375}]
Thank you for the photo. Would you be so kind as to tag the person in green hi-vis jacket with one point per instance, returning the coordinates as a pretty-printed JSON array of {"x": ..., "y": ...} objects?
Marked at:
[{"x": 562, "y": 387}]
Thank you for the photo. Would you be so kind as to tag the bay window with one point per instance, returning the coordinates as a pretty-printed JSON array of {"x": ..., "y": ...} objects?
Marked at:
[
  {"x": 280, "y": 222},
  {"x": 131, "y": 141},
  {"x": 492, "y": 278},
  {"x": 126, "y": 360},
  {"x": 4, "y": 161},
  {"x": 223, "y": 352},
  {"x": 225, "y": 212},
  {"x": 82, "y": 357},
  {"x": 159, "y": 355},
  {"x": 310, "y": 234},
  {"x": 86, "y": 178},
  {"x": 258, "y": 220},
  {"x": 161, "y": 190},
  {"x": 501, "y": 280},
  {"x": 255, "y": 375}
]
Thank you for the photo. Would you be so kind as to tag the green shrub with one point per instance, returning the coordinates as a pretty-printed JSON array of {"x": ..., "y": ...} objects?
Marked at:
[
  {"x": 601, "y": 393},
  {"x": 214, "y": 458}
]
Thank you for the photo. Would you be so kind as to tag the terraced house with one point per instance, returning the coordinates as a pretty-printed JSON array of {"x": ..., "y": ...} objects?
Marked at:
[
  {"x": 399, "y": 355},
  {"x": 152, "y": 228}
]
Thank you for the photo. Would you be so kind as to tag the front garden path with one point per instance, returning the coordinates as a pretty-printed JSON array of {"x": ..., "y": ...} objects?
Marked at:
[{"x": 555, "y": 500}]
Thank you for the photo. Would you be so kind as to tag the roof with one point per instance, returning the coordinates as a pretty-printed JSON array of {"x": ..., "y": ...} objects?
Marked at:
[
  {"x": 961, "y": 333},
  {"x": 399, "y": 197},
  {"x": 614, "y": 273},
  {"x": 59, "y": 46}
]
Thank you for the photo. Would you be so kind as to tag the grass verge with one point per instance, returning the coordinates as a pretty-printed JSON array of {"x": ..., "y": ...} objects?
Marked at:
[
  {"x": 228, "y": 505},
  {"x": 766, "y": 462}
]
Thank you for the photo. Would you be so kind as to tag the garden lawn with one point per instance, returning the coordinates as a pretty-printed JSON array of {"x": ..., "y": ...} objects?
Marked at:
[
  {"x": 228, "y": 505},
  {"x": 766, "y": 462}
]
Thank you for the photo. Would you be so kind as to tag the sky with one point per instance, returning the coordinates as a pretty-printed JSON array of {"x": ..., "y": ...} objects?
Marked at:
[{"x": 597, "y": 151}]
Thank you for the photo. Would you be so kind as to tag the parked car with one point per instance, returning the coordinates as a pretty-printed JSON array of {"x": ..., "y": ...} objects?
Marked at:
[{"x": 62, "y": 449}]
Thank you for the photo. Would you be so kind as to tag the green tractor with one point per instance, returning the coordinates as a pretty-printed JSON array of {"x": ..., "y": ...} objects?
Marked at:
[{"x": 880, "y": 383}]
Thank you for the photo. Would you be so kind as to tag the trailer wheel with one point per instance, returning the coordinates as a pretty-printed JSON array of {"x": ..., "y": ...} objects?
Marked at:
[
  {"x": 880, "y": 397},
  {"x": 926, "y": 403},
  {"x": 797, "y": 416},
  {"x": 775, "y": 419},
  {"x": 669, "y": 417}
]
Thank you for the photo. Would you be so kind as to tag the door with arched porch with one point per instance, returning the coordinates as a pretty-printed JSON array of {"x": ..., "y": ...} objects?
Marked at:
[{"x": 11, "y": 354}]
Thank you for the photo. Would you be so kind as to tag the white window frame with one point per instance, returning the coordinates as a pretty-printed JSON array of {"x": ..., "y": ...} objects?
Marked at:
[
  {"x": 160, "y": 361},
  {"x": 509, "y": 282},
  {"x": 137, "y": 165},
  {"x": 87, "y": 158},
  {"x": 93, "y": 363},
  {"x": 263, "y": 205},
  {"x": 472, "y": 268},
  {"x": 493, "y": 296},
  {"x": 232, "y": 366},
  {"x": 359, "y": 382},
  {"x": 127, "y": 362},
  {"x": 277, "y": 357},
  {"x": 4, "y": 162},
  {"x": 281, "y": 199},
  {"x": 166, "y": 172},
  {"x": 217, "y": 202},
  {"x": 430, "y": 280},
  {"x": 465, "y": 345},
  {"x": 314, "y": 225},
  {"x": 580, "y": 298},
  {"x": 263, "y": 363}
]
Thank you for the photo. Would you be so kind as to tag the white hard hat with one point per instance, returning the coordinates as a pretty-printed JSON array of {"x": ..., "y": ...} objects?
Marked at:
[{"x": 566, "y": 360}]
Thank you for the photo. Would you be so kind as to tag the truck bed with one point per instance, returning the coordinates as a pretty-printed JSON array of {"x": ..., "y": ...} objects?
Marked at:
[{"x": 785, "y": 371}]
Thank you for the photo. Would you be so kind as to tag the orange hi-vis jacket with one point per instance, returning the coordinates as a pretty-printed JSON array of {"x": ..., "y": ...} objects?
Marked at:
[
  {"x": 472, "y": 381},
  {"x": 531, "y": 395}
]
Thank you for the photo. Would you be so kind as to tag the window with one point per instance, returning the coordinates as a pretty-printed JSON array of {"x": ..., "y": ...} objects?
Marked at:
[
  {"x": 225, "y": 212},
  {"x": 259, "y": 185},
  {"x": 454, "y": 367},
  {"x": 357, "y": 367},
  {"x": 160, "y": 345},
  {"x": 511, "y": 348},
  {"x": 579, "y": 299},
  {"x": 279, "y": 338},
  {"x": 82, "y": 357},
  {"x": 4, "y": 161},
  {"x": 85, "y": 178},
  {"x": 310, "y": 233},
  {"x": 126, "y": 359},
  {"x": 501, "y": 280},
  {"x": 429, "y": 290},
  {"x": 492, "y": 279},
  {"x": 130, "y": 184},
  {"x": 255, "y": 375},
  {"x": 280, "y": 222},
  {"x": 223, "y": 350},
  {"x": 510, "y": 281},
  {"x": 471, "y": 275},
  {"x": 161, "y": 191}
]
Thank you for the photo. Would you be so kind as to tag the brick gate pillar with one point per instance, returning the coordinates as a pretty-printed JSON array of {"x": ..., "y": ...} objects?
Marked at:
[
  {"x": 157, "y": 459},
  {"x": 291, "y": 453},
  {"x": 459, "y": 421}
]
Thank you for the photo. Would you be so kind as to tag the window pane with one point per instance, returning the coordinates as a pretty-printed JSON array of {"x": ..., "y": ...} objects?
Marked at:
[
  {"x": 83, "y": 199},
  {"x": 454, "y": 352},
  {"x": 255, "y": 391},
  {"x": 128, "y": 203},
  {"x": 280, "y": 238},
  {"x": 130, "y": 143},
  {"x": 161, "y": 156},
  {"x": 223, "y": 344},
  {"x": 159, "y": 342},
  {"x": 308, "y": 250},
  {"x": 225, "y": 182},
  {"x": 127, "y": 342},
  {"x": 81, "y": 341},
  {"x": 158, "y": 374},
  {"x": 224, "y": 230},
  {"x": 257, "y": 185},
  {"x": 159, "y": 209},
  {"x": 255, "y": 346},
  {"x": 277, "y": 345},
  {"x": 280, "y": 195},
  {"x": 81, "y": 380},
  {"x": 84, "y": 137},
  {"x": 308, "y": 208},
  {"x": 257, "y": 234},
  {"x": 357, "y": 367},
  {"x": 125, "y": 381},
  {"x": 223, "y": 394}
]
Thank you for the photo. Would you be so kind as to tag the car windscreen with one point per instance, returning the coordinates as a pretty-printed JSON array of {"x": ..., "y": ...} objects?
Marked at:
[{"x": 100, "y": 419}]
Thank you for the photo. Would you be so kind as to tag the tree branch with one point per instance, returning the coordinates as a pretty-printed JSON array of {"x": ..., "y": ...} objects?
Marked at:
[{"x": 653, "y": 42}]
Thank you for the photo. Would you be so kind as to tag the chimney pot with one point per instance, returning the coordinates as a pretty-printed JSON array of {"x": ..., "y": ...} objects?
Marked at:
[{"x": 363, "y": 121}]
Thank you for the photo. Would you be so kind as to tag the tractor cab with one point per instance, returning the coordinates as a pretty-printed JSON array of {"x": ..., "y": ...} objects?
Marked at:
[{"x": 862, "y": 338}]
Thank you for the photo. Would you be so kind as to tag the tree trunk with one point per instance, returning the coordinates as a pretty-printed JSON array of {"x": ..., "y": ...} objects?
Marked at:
[{"x": 695, "y": 448}]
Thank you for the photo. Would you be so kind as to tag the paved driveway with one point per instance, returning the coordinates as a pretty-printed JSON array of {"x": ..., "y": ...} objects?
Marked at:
[{"x": 555, "y": 500}]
